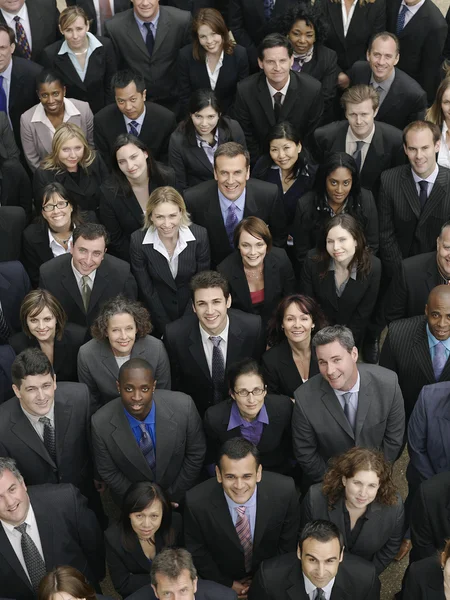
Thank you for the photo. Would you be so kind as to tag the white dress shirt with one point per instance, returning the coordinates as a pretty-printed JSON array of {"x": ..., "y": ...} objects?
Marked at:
[
  {"x": 185, "y": 235},
  {"x": 350, "y": 144},
  {"x": 79, "y": 278},
  {"x": 412, "y": 10},
  {"x": 34, "y": 420},
  {"x": 39, "y": 116},
  {"x": 97, "y": 14},
  {"x": 214, "y": 75},
  {"x": 310, "y": 588},
  {"x": 24, "y": 21},
  {"x": 208, "y": 345},
  {"x": 347, "y": 16},
  {"x": 431, "y": 179},
  {"x": 444, "y": 151},
  {"x": 57, "y": 248},
  {"x": 273, "y": 91}
]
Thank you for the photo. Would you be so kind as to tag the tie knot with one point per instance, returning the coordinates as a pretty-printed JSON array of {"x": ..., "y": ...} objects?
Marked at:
[
  {"x": 241, "y": 510},
  {"x": 347, "y": 397},
  {"x": 423, "y": 184},
  {"x": 16, "y": 18},
  {"x": 215, "y": 339},
  {"x": 404, "y": 10},
  {"x": 85, "y": 279},
  {"x": 45, "y": 420},
  {"x": 148, "y": 26},
  {"x": 232, "y": 208},
  {"x": 359, "y": 146},
  {"x": 278, "y": 97},
  {"x": 142, "y": 427},
  {"x": 21, "y": 528},
  {"x": 134, "y": 123}
]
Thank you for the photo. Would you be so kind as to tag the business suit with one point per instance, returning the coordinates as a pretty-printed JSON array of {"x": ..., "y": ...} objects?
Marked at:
[
  {"x": 22, "y": 91},
  {"x": 160, "y": 69},
  {"x": 65, "y": 351},
  {"x": 320, "y": 430},
  {"x": 261, "y": 200},
  {"x": 206, "y": 590},
  {"x": 8, "y": 146},
  {"x": 211, "y": 537},
  {"x": 422, "y": 42},
  {"x": 180, "y": 446},
  {"x": 98, "y": 368},
  {"x": 281, "y": 578},
  {"x": 69, "y": 534},
  {"x": 96, "y": 87},
  {"x": 15, "y": 186},
  {"x": 190, "y": 163},
  {"x": 13, "y": 221},
  {"x": 14, "y": 286},
  {"x": 37, "y": 139},
  {"x": 381, "y": 535},
  {"x": 405, "y": 229},
  {"x": 190, "y": 372},
  {"x": 355, "y": 305},
  {"x": 323, "y": 67},
  {"x": 7, "y": 357},
  {"x": 368, "y": 19},
  {"x": 405, "y": 102},
  {"x": 167, "y": 297},
  {"x": 253, "y": 108},
  {"x": 158, "y": 124},
  {"x": 112, "y": 277},
  {"x": 279, "y": 281},
  {"x": 385, "y": 151},
  {"x": 406, "y": 352},
  {"x": 425, "y": 580},
  {"x": 89, "y": 9}
]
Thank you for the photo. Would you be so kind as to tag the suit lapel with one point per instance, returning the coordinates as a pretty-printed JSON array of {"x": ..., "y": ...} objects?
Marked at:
[
  {"x": 394, "y": 98},
  {"x": 160, "y": 264},
  {"x": 63, "y": 62},
  {"x": 296, "y": 589},
  {"x": 108, "y": 360},
  {"x": 239, "y": 283},
  {"x": 63, "y": 414},
  {"x": 375, "y": 151},
  {"x": 200, "y": 155},
  {"x": 166, "y": 434},
  {"x": 37, "y": 25},
  {"x": 45, "y": 526},
  {"x": 221, "y": 515},
  {"x": 437, "y": 196},
  {"x": 333, "y": 406},
  {"x": 265, "y": 100},
  {"x": 365, "y": 397},
  {"x": 162, "y": 32},
  {"x": 9, "y": 555},
  {"x": 335, "y": 10},
  {"x": 101, "y": 282},
  {"x": 410, "y": 192},
  {"x": 215, "y": 221},
  {"x": 336, "y": 516},
  {"x": 197, "y": 352},
  {"x": 270, "y": 279},
  {"x": 22, "y": 428},
  {"x": 134, "y": 35},
  {"x": 291, "y": 97},
  {"x": 234, "y": 341},
  {"x": 421, "y": 352}
]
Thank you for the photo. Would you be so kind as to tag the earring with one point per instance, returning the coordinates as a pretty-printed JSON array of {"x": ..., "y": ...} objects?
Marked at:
[{"x": 313, "y": 326}]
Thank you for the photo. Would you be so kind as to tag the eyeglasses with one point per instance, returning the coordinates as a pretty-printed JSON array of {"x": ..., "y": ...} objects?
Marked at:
[
  {"x": 246, "y": 393},
  {"x": 61, "y": 204}
]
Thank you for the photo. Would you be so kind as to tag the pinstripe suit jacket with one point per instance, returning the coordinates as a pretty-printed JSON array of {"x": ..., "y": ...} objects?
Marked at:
[
  {"x": 405, "y": 230},
  {"x": 406, "y": 351},
  {"x": 167, "y": 298}
]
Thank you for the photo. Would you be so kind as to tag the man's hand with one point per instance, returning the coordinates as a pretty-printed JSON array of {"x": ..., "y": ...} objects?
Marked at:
[
  {"x": 100, "y": 486},
  {"x": 343, "y": 81},
  {"x": 241, "y": 587}
]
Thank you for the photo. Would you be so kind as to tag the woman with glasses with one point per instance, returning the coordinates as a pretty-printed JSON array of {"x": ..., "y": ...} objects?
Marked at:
[{"x": 264, "y": 419}]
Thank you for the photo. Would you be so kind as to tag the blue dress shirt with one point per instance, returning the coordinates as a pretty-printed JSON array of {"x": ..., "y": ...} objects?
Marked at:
[
  {"x": 149, "y": 425},
  {"x": 225, "y": 205},
  {"x": 432, "y": 342},
  {"x": 250, "y": 505}
]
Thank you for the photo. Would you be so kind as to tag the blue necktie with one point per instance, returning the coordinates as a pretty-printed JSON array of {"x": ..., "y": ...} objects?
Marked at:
[
  {"x": 149, "y": 40},
  {"x": 439, "y": 360},
  {"x": 147, "y": 447},
  {"x": 268, "y": 8},
  {"x": 2, "y": 96},
  {"x": 230, "y": 223},
  {"x": 401, "y": 18},
  {"x": 133, "y": 128}
]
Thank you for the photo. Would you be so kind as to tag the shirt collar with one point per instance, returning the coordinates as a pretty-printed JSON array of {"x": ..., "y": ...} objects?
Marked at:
[
  {"x": 225, "y": 203},
  {"x": 35, "y": 419},
  {"x": 22, "y": 14},
  {"x": 386, "y": 84},
  {"x": 30, "y": 520},
  {"x": 431, "y": 178},
  {"x": 250, "y": 502},
  {"x": 353, "y": 273},
  {"x": 70, "y": 110},
  {"x": 93, "y": 44},
  {"x": 141, "y": 23},
  {"x": 353, "y": 138},
  {"x": 223, "y": 334},
  {"x": 219, "y": 62},
  {"x": 237, "y": 421},
  {"x": 354, "y": 390},
  {"x": 7, "y": 72},
  {"x": 139, "y": 119},
  {"x": 310, "y": 587},
  {"x": 152, "y": 237},
  {"x": 283, "y": 90},
  {"x": 201, "y": 141},
  {"x": 150, "y": 419},
  {"x": 432, "y": 341},
  {"x": 80, "y": 276},
  {"x": 415, "y": 8}
]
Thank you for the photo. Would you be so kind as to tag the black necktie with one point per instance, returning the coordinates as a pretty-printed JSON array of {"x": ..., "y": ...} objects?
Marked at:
[
  {"x": 49, "y": 437},
  {"x": 423, "y": 196},
  {"x": 33, "y": 560},
  {"x": 277, "y": 104},
  {"x": 320, "y": 594},
  {"x": 149, "y": 40},
  {"x": 357, "y": 155},
  {"x": 218, "y": 369}
]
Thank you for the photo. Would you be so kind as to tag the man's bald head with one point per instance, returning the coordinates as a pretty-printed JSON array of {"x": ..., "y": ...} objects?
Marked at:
[{"x": 437, "y": 311}]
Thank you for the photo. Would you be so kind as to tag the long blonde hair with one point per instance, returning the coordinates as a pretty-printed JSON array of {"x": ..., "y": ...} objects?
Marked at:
[{"x": 64, "y": 133}]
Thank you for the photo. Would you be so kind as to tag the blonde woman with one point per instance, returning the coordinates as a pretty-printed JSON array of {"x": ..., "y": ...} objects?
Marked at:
[
  {"x": 165, "y": 254},
  {"x": 75, "y": 165},
  {"x": 439, "y": 114}
]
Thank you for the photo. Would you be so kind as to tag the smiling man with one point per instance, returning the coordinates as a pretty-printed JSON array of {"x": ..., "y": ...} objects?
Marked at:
[{"x": 347, "y": 405}]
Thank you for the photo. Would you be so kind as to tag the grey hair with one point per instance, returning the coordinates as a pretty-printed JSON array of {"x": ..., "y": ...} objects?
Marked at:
[
  {"x": 9, "y": 464},
  {"x": 334, "y": 333},
  {"x": 171, "y": 562}
]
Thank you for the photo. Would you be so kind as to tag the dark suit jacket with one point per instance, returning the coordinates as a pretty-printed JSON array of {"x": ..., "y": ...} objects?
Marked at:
[
  {"x": 253, "y": 108},
  {"x": 14, "y": 286},
  {"x": 13, "y": 221},
  {"x": 425, "y": 580},
  {"x": 190, "y": 163},
  {"x": 69, "y": 534},
  {"x": 381, "y": 535},
  {"x": 405, "y": 102},
  {"x": 206, "y": 590},
  {"x": 7, "y": 356},
  {"x": 355, "y": 306},
  {"x": 193, "y": 76},
  {"x": 96, "y": 87},
  {"x": 211, "y": 537},
  {"x": 405, "y": 230},
  {"x": 320, "y": 429},
  {"x": 261, "y": 200},
  {"x": 409, "y": 290},
  {"x": 159, "y": 122},
  {"x": 368, "y": 19},
  {"x": 280, "y": 371},
  {"x": 15, "y": 186},
  {"x": 275, "y": 445},
  {"x": 189, "y": 368},
  {"x": 421, "y": 42},
  {"x": 406, "y": 351},
  {"x": 65, "y": 350},
  {"x": 160, "y": 69},
  {"x": 180, "y": 446},
  {"x": 385, "y": 151},
  {"x": 89, "y": 9},
  {"x": 8, "y": 146},
  {"x": 22, "y": 91},
  {"x": 323, "y": 67},
  {"x": 279, "y": 281},
  {"x": 113, "y": 277},
  {"x": 281, "y": 578},
  {"x": 167, "y": 298}
]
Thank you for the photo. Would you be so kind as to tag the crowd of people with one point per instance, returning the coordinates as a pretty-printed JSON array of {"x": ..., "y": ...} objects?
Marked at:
[{"x": 224, "y": 298}]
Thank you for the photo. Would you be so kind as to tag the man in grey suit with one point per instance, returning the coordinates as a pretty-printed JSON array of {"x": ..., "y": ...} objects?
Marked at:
[
  {"x": 347, "y": 405},
  {"x": 147, "y": 39},
  {"x": 148, "y": 435}
]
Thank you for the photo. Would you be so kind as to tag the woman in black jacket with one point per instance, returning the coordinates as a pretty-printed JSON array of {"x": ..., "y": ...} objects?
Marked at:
[{"x": 429, "y": 578}]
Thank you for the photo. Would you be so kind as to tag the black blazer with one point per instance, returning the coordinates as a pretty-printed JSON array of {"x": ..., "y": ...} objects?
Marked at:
[
  {"x": 159, "y": 122},
  {"x": 354, "y": 307},
  {"x": 190, "y": 163},
  {"x": 368, "y": 19},
  {"x": 280, "y": 371},
  {"x": 188, "y": 365},
  {"x": 385, "y": 151},
  {"x": 130, "y": 569},
  {"x": 211, "y": 537},
  {"x": 113, "y": 277},
  {"x": 89, "y": 9},
  {"x": 193, "y": 76},
  {"x": 14, "y": 286},
  {"x": 15, "y": 186},
  {"x": 275, "y": 445},
  {"x": 253, "y": 108},
  {"x": 405, "y": 102},
  {"x": 85, "y": 190},
  {"x": 96, "y": 87},
  {"x": 167, "y": 298},
  {"x": 425, "y": 580},
  {"x": 279, "y": 281},
  {"x": 323, "y": 67},
  {"x": 65, "y": 350},
  {"x": 261, "y": 200},
  {"x": 22, "y": 91},
  {"x": 422, "y": 42},
  {"x": 381, "y": 535},
  {"x": 12, "y": 223},
  {"x": 121, "y": 213}
]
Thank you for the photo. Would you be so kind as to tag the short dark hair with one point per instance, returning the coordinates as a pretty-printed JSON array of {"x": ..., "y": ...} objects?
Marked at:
[
  {"x": 307, "y": 305},
  {"x": 90, "y": 231},
  {"x": 419, "y": 125},
  {"x": 231, "y": 150},
  {"x": 134, "y": 363},
  {"x": 238, "y": 448},
  {"x": 383, "y": 35},
  {"x": 205, "y": 280},
  {"x": 171, "y": 562},
  {"x": 9, "y": 31},
  {"x": 246, "y": 366},
  {"x": 255, "y": 227},
  {"x": 121, "y": 79},
  {"x": 321, "y": 531},
  {"x": 31, "y": 361},
  {"x": 48, "y": 76},
  {"x": 274, "y": 40}
]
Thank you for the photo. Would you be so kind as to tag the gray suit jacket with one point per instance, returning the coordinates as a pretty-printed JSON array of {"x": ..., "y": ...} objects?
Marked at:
[
  {"x": 98, "y": 369},
  {"x": 37, "y": 138},
  {"x": 180, "y": 446},
  {"x": 320, "y": 429}
]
